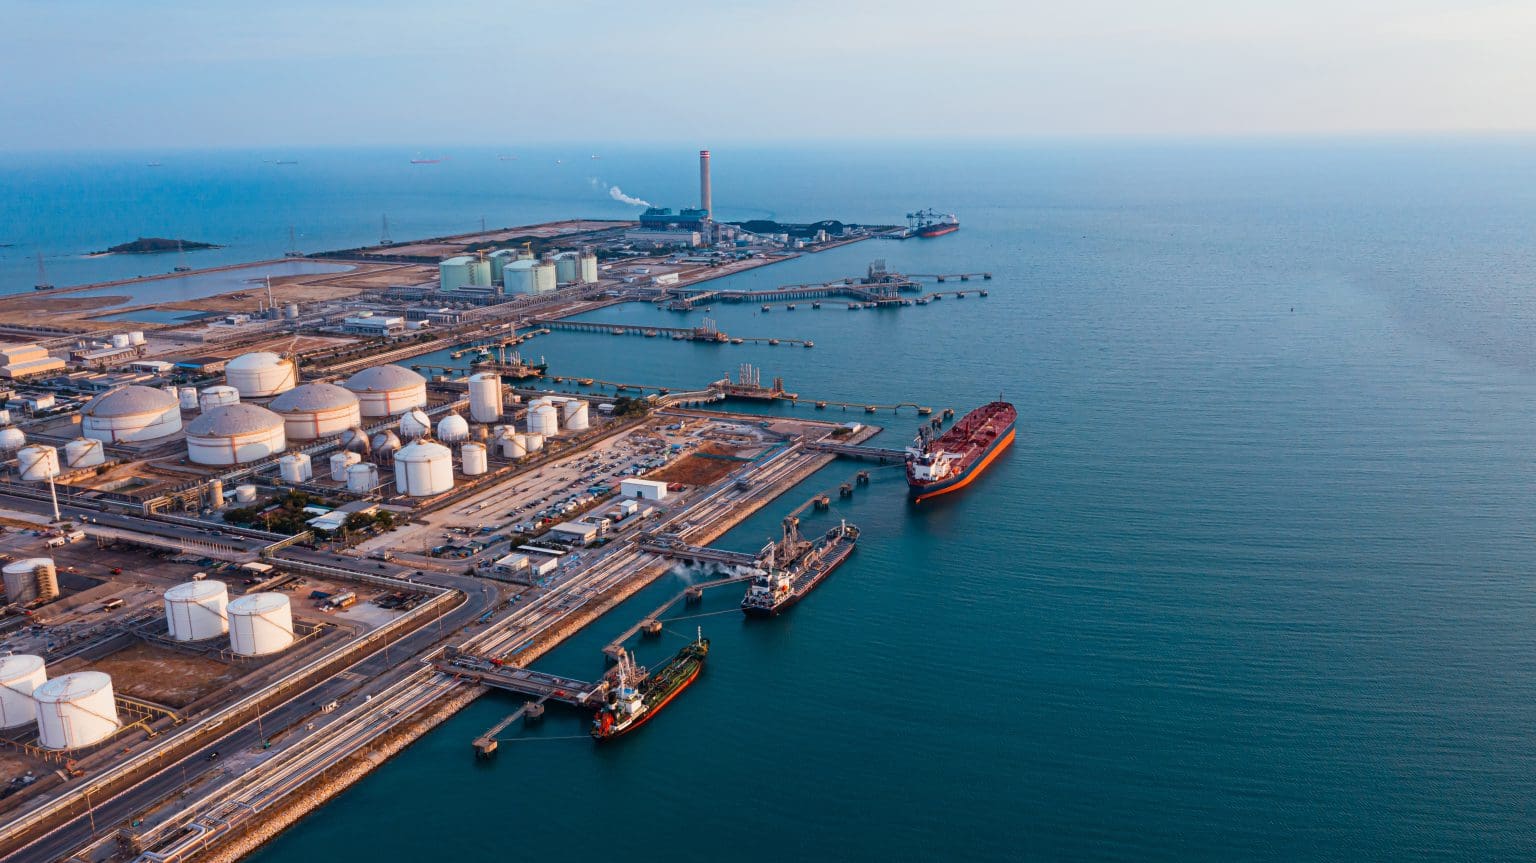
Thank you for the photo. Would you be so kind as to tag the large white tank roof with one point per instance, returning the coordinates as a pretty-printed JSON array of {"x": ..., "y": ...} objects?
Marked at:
[
  {"x": 233, "y": 420},
  {"x": 423, "y": 450},
  {"x": 71, "y": 687},
  {"x": 131, "y": 400},
  {"x": 258, "y": 603},
  {"x": 190, "y": 591},
  {"x": 314, "y": 397},
  {"x": 384, "y": 378},
  {"x": 253, "y": 361}
]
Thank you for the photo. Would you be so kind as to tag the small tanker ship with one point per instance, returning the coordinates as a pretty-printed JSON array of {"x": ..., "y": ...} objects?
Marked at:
[
  {"x": 636, "y": 697},
  {"x": 939, "y": 464},
  {"x": 784, "y": 582}
]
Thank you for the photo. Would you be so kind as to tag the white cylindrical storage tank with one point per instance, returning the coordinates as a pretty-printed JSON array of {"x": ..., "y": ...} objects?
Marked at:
[
  {"x": 84, "y": 452},
  {"x": 36, "y": 462},
  {"x": 535, "y": 442},
  {"x": 188, "y": 398},
  {"x": 587, "y": 265},
  {"x": 12, "y": 439},
  {"x": 261, "y": 375},
  {"x": 485, "y": 397},
  {"x": 171, "y": 390},
  {"x": 260, "y": 623},
  {"x": 234, "y": 434},
  {"x": 75, "y": 710},
  {"x": 120, "y": 340},
  {"x": 512, "y": 446},
  {"x": 291, "y": 311},
  {"x": 20, "y": 675},
  {"x": 216, "y": 493},
  {"x": 576, "y": 416},
  {"x": 415, "y": 423},
  {"x": 362, "y": 478},
  {"x": 196, "y": 610},
  {"x": 245, "y": 493},
  {"x": 543, "y": 277},
  {"x": 296, "y": 467},
  {"x": 386, "y": 391},
  {"x": 136, "y": 337},
  {"x": 423, "y": 469},
  {"x": 472, "y": 458},
  {"x": 340, "y": 462},
  {"x": 131, "y": 413},
  {"x": 544, "y": 420},
  {"x": 317, "y": 410},
  {"x": 217, "y": 397},
  {"x": 30, "y": 579},
  {"x": 565, "y": 269},
  {"x": 452, "y": 429}
]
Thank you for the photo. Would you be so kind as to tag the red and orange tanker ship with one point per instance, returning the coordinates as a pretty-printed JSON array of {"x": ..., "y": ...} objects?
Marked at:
[{"x": 940, "y": 464}]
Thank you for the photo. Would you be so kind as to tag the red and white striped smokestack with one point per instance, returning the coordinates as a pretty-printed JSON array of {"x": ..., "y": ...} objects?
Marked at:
[{"x": 705, "y": 203}]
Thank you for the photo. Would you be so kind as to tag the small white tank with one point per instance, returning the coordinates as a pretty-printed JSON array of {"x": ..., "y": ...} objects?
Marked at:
[
  {"x": 195, "y": 610},
  {"x": 120, "y": 340},
  {"x": 245, "y": 493},
  {"x": 217, "y": 397},
  {"x": 423, "y": 469},
  {"x": 535, "y": 442},
  {"x": 30, "y": 579},
  {"x": 576, "y": 417},
  {"x": 136, "y": 337},
  {"x": 485, "y": 397},
  {"x": 414, "y": 424},
  {"x": 385, "y": 443},
  {"x": 544, "y": 420},
  {"x": 11, "y": 439},
  {"x": 472, "y": 458},
  {"x": 452, "y": 429},
  {"x": 296, "y": 467},
  {"x": 512, "y": 446},
  {"x": 37, "y": 462},
  {"x": 170, "y": 390},
  {"x": 362, "y": 478},
  {"x": 188, "y": 398},
  {"x": 260, "y": 623},
  {"x": 340, "y": 462},
  {"x": 20, "y": 674},
  {"x": 84, "y": 452},
  {"x": 75, "y": 710}
]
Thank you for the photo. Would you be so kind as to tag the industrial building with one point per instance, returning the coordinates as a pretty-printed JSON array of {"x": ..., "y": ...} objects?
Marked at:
[
  {"x": 579, "y": 532},
  {"x": 370, "y": 324},
  {"x": 648, "y": 489},
  {"x": 663, "y": 239},
  {"x": 27, "y": 361}
]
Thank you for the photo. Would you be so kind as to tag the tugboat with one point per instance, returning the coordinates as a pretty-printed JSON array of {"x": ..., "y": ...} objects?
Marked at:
[
  {"x": 794, "y": 567},
  {"x": 636, "y": 698}
]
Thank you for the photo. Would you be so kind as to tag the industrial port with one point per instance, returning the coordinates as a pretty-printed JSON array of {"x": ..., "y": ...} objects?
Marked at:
[{"x": 252, "y": 544}]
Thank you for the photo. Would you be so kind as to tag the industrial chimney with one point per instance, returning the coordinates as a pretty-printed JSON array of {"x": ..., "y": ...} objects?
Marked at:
[{"x": 705, "y": 203}]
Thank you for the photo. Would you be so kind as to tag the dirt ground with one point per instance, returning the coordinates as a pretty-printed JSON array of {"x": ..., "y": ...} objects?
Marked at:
[
  {"x": 696, "y": 468},
  {"x": 163, "y": 676}
]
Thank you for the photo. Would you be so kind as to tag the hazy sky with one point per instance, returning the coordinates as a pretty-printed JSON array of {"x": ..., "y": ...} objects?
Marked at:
[{"x": 156, "y": 73}]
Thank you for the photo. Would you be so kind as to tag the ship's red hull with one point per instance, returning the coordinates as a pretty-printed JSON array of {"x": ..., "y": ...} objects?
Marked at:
[{"x": 937, "y": 231}]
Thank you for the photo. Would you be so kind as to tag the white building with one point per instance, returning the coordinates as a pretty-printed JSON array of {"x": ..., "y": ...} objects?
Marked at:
[
  {"x": 662, "y": 238},
  {"x": 576, "y": 531},
  {"x": 24, "y": 361},
  {"x": 370, "y": 324},
  {"x": 648, "y": 489}
]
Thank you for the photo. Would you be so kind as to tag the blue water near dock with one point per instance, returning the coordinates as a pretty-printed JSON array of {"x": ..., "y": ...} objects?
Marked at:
[{"x": 1255, "y": 583}]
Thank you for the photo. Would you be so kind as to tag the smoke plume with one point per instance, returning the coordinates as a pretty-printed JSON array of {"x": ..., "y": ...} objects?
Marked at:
[{"x": 617, "y": 194}]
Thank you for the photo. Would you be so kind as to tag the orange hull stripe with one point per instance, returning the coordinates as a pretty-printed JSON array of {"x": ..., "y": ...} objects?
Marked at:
[{"x": 1006, "y": 442}]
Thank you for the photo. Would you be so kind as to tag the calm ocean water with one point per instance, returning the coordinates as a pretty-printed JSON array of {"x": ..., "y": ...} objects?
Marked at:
[{"x": 1254, "y": 583}]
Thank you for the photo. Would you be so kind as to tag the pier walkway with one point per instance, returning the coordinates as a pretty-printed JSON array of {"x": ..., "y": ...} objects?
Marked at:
[
  {"x": 524, "y": 681},
  {"x": 678, "y": 550},
  {"x": 692, "y": 334},
  {"x": 855, "y": 451}
]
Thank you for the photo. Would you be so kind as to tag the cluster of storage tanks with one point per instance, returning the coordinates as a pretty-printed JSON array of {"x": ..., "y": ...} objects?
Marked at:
[
  {"x": 71, "y": 711},
  {"x": 257, "y": 624}
]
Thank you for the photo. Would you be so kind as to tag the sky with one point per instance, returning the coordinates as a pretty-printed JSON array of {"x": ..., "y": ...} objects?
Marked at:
[{"x": 106, "y": 74}]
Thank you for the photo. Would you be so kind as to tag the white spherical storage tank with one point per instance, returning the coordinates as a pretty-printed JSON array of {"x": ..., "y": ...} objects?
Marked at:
[
  {"x": 20, "y": 675},
  {"x": 317, "y": 410},
  {"x": 75, "y": 710},
  {"x": 452, "y": 429},
  {"x": 195, "y": 610},
  {"x": 485, "y": 397},
  {"x": 386, "y": 391},
  {"x": 260, "y": 623},
  {"x": 340, "y": 462},
  {"x": 296, "y": 467},
  {"x": 535, "y": 442},
  {"x": 472, "y": 457},
  {"x": 423, "y": 468},
  {"x": 576, "y": 417},
  {"x": 12, "y": 439},
  {"x": 260, "y": 375},
  {"x": 362, "y": 478},
  {"x": 188, "y": 397},
  {"x": 30, "y": 578},
  {"x": 37, "y": 462},
  {"x": 131, "y": 413},
  {"x": 415, "y": 423},
  {"x": 84, "y": 452},
  {"x": 544, "y": 420},
  {"x": 234, "y": 434},
  {"x": 217, "y": 397}
]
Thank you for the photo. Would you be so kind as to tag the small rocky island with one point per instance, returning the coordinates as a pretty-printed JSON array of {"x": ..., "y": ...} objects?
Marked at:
[{"x": 152, "y": 245}]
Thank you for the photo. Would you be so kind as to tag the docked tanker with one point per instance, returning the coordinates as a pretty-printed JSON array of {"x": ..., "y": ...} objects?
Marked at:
[
  {"x": 792, "y": 568},
  {"x": 937, "y": 464},
  {"x": 927, "y": 223},
  {"x": 635, "y": 698}
]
